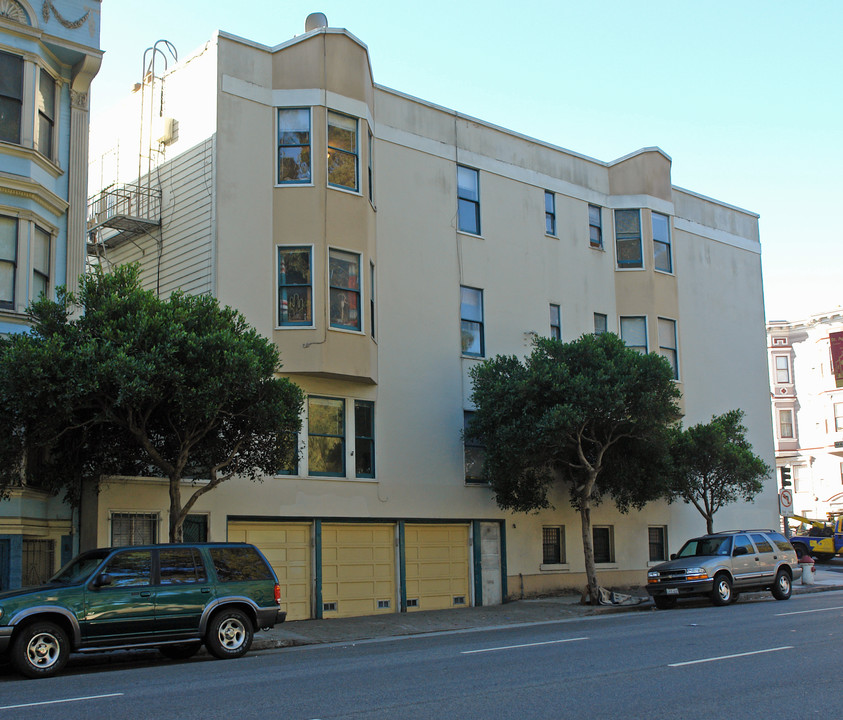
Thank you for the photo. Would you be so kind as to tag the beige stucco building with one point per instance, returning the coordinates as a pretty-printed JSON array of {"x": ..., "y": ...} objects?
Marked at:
[
  {"x": 386, "y": 245},
  {"x": 49, "y": 54},
  {"x": 807, "y": 405}
]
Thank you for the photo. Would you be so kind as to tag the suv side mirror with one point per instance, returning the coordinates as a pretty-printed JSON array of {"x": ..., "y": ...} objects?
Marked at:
[
  {"x": 739, "y": 551},
  {"x": 673, "y": 556},
  {"x": 103, "y": 580}
]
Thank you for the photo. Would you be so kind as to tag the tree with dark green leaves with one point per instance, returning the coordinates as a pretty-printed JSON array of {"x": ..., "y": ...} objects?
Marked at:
[
  {"x": 592, "y": 414},
  {"x": 713, "y": 465},
  {"x": 121, "y": 382}
]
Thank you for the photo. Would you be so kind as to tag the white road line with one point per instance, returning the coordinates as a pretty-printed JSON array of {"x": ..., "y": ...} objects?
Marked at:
[
  {"x": 803, "y": 612},
  {"x": 513, "y": 647},
  {"x": 729, "y": 657},
  {"x": 56, "y": 702}
]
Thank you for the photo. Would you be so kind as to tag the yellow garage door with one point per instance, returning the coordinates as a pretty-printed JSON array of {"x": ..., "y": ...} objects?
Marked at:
[
  {"x": 358, "y": 570},
  {"x": 287, "y": 548},
  {"x": 437, "y": 567}
]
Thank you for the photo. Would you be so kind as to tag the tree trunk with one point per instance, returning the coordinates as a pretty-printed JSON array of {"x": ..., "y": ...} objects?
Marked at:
[
  {"x": 176, "y": 519},
  {"x": 588, "y": 551},
  {"x": 709, "y": 524}
]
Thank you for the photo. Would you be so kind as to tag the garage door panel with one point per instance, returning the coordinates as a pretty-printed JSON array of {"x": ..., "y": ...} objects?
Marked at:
[{"x": 437, "y": 566}]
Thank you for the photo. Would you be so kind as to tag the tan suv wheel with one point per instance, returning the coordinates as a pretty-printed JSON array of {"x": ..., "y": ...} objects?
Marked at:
[{"x": 722, "y": 592}]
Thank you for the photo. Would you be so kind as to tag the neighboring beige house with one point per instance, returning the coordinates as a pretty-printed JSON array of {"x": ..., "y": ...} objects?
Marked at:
[
  {"x": 49, "y": 53},
  {"x": 808, "y": 411},
  {"x": 387, "y": 244}
]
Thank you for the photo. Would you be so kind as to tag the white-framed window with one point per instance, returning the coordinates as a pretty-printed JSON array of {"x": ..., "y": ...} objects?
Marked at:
[
  {"x": 549, "y": 213},
  {"x": 8, "y": 260},
  {"x": 294, "y": 146},
  {"x": 782, "y": 369},
  {"x": 133, "y": 528},
  {"x": 295, "y": 285},
  {"x": 471, "y": 321},
  {"x": 344, "y": 274},
  {"x": 11, "y": 97},
  {"x": 662, "y": 252},
  {"x": 628, "y": 239},
  {"x": 595, "y": 226},
  {"x": 474, "y": 452},
  {"x": 326, "y": 436},
  {"x": 785, "y": 423},
  {"x": 343, "y": 151},
  {"x": 838, "y": 417},
  {"x": 45, "y": 128},
  {"x": 657, "y": 543},
  {"x": 603, "y": 538},
  {"x": 668, "y": 345},
  {"x": 634, "y": 332},
  {"x": 41, "y": 256},
  {"x": 372, "y": 299},
  {"x": 364, "y": 439},
  {"x": 468, "y": 200},
  {"x": 371, "y": 168},
  {"x": 601, "y": 323},
  {"x": 555, "y": 322},
  {"x": 553, "y": 545}
]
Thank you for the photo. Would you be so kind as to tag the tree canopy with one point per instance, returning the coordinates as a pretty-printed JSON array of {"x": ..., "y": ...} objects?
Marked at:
[
  {"x": 713, "y": 465},
  {"x": 121, "y": 382},
  {"x": 591, "y": 413}
]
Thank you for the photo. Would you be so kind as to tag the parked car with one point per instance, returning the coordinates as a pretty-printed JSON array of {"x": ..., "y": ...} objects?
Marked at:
[
  {"x": 724, "y": 564},
  {"x": 170, "y": 597}
]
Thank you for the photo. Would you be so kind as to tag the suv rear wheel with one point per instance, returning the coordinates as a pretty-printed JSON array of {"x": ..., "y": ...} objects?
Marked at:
[
  {"x": 40, "y": 650},
  {"x": 783, "y": 586},
  {"x": 229, "y": 634},
  {"x": 722, "y": 592}
]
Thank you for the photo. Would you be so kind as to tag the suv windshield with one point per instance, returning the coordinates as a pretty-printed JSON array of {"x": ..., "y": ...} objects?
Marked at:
[
  {"x": 699, "y": 547},
  {"x": 79, "y": 568}
]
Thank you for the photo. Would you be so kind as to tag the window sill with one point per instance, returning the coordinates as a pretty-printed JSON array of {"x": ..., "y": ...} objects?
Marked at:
[
  {"x": 555, "y": 567},
  {"x": 295, "y": 184},
  {"x": 551, "y": 235},
  {"x": 669, "y": 273},
  {"x": 347, "y": 191},
  {"x": 472, "y": 357},
  {"x": 349, "y": 331},
  {"x": 31, "y": 153},
  {"x": 597, "y": 247},
  {"x": 629, "y": 269},
  {"x": 607, "y": 565},
  {"x": 477, "y": 484},
  {"x": 295, "y": 327},
  {"x": 470, "y": 234}
]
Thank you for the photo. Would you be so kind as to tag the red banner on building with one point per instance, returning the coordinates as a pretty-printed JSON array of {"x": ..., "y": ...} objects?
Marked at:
[{"x": 835, "y": 340}]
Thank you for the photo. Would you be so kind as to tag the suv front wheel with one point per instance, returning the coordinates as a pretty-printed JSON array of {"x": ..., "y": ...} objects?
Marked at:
[
  {"x": 783, "y": 586},
  {"x": 40, "y": 650},
  {"x": 229, "y": 634},
  {"x": 722, "y": 592}
]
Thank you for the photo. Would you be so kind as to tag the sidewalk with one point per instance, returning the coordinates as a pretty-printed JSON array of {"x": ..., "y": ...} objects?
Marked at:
[{"x": 518, "y": 612}]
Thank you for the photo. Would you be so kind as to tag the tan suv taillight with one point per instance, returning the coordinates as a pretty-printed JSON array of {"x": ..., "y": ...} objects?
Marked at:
[{"x": 277, "y": 594}]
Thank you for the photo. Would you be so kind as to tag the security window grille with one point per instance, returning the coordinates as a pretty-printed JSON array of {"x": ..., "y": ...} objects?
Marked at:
[
  {"x": 601, "y": 323},
  {"x": 342, "y": 151},
  {"x": 195, "y": 528},
  {"x": 667, "y": 344},
  {"x": 11, "y": 97},
  {"x": 471, "y": 321},
  {"x": 294, "y": 146},
  {"x": 468, "y": 200},
  {"x": 595, "y": 226},
  {"x": 555, "y": 322},
  {"x": 658, "y": 545},
  {"x": 634, "y": 333},
  {"x": 604, "y": 544},
  {"x": 628, "y": 238},
  {"x": 553, "y": 545},
  {"x": 662, "y": 252},
  {"x": 295, "y": 286},
  {"x": 364, "y": 438},
  {"x": 549, "y": 213},
  {"x": 8, "y": 260},
  {"x": 326, "y": 436},
  {"x": 46, "y": 113},
  {"x": 344, "y": 269},
  {"x": 38, "y": 559},
  {"x": 134, "y": 529}
]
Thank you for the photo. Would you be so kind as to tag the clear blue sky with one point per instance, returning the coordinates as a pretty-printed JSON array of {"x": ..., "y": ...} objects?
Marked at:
[{"x": 746, "y": 96}]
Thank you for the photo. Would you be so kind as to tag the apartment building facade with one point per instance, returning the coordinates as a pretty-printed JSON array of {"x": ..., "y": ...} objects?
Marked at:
[
  {"x": 49, "y": 53},
  {"x": 807, "y": 402},
  {"x": 387, "y": 245}
]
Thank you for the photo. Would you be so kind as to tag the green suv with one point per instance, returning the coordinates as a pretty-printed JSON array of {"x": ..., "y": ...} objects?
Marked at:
[{"x": 172, "y": 597}]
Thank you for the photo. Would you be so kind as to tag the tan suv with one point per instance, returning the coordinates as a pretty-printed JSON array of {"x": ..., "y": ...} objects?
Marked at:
[{"x": 722, "y": 565}]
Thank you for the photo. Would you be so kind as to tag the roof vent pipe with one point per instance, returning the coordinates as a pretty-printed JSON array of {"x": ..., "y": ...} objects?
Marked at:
[{"x": 315, "y": 21}]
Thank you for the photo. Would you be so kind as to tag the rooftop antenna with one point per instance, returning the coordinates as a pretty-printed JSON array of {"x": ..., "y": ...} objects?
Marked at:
[{"x": 151, "y": 56}]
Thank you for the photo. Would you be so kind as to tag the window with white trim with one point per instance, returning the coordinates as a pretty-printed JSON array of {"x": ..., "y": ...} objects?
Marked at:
[
  {"x": 782, "y": 369},
  {"x": 555, "y": 322},
  {"x": 667, "y": 344},
  {"x": 294, "y": 149},
  {"x": 295, "y": 286},
  {"x": 344, "y": 272},
  {"x": 662, "y": 251},
  {"x": 595, "y": 226},
  {"x": 130, "y": 528},
  {"x": 8, "y": 260},
  {"x": 11, "y": 97},
  {"x": 628, "y": 239},
  {"x": 45, "y": 129},
  {"x": 634, "y": 332},
  {"x": 785, "y": 423},
  {"x": 326, "y": 436},
  {"x": 549, "y": 213},
  {"x": 838, "y": 416},
  {"x": 471, "y": 321},
  {"x": 41, "y": 254},
  {"x": 364, "y": 438},
  {"x": 468, "y": 200},
  {"x": 343, "y": 151},
  {"x": 601, "y": 323}
]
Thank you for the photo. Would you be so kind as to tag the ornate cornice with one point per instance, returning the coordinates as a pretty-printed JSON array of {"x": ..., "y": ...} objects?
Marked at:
[
  {"x": 79, "y": 99},
  {"x": 31, "y": 190},
  {"x": 69, "y": 24}
]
